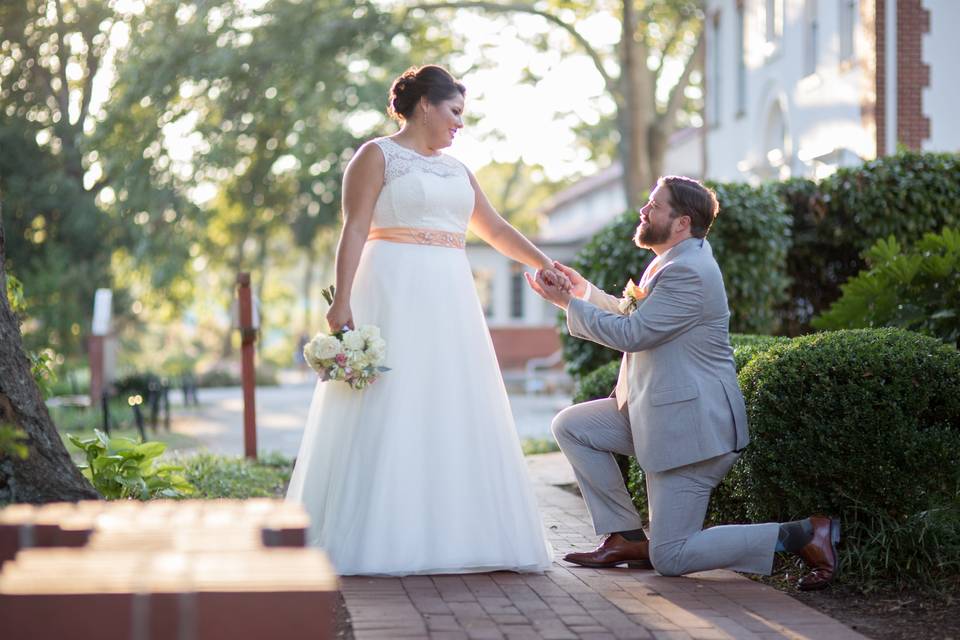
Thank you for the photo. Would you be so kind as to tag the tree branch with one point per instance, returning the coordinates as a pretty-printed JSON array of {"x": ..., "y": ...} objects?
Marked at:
[
  {"x": 676, "y": 94},
  {"x": 594, "y": 56}
]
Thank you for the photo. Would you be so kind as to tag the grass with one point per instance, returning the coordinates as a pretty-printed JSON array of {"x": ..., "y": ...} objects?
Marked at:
[
  {"x": 216, "y": 476},
  {"x": 534, "y": 446}
]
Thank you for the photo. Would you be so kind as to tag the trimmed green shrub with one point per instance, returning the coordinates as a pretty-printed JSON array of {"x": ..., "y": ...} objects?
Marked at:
[
  {"x": 820, "y": 258},
  {"x": 918, "y": 289},
  {"x": 747, "y": 346},
  {"x": 750, "y": 240},
  {"x": 599, "y": 383},
  {"x": 904, "y": 195},
  {"x": 863, "y": 424}
]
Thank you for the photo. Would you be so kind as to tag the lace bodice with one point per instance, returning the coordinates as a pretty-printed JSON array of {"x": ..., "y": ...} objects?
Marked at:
[{"x": 426, "y": 192}]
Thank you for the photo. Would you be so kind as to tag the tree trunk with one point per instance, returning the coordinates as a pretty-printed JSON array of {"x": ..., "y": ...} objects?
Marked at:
[
  {"x": 633, "y": 110},
  {"x": 47, "y": 474}
]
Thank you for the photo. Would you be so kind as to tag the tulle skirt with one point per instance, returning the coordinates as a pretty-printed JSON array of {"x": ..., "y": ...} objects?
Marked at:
[{"x": 421, "y": 472}]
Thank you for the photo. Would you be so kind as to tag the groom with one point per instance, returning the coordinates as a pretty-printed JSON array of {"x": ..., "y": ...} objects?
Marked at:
[{"x": 677, "y": 407}]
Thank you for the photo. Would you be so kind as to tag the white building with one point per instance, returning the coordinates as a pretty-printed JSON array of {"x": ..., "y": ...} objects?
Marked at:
[{"x": 801, "y": 87}]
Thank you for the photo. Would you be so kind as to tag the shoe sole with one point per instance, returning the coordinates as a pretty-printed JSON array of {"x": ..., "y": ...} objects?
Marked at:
[{"x": 612, "y": 565}]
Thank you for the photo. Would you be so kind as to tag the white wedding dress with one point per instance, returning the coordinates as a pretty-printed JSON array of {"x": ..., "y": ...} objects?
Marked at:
[{"x": 421, "y": 472}]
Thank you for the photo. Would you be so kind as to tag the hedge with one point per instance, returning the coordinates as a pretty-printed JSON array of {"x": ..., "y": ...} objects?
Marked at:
[
  {"x": 863, "y": 424},
  {"x": 834, "y": 222}
]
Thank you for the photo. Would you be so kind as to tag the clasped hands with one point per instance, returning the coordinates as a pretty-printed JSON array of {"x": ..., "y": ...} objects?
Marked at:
[{"x": 557, "y": 284}]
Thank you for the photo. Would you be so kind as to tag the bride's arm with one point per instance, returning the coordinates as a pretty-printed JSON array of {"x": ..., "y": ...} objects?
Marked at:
[
  {"x": 501, "y": 235},
  {"x": 362, "y": 182}
]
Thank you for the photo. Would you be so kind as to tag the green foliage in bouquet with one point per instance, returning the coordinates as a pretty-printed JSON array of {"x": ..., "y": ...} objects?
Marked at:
[
  {"x": 124, "y": 468},
  {"x": 916, "y": 289},
  {"x": 750, "y": 239}
]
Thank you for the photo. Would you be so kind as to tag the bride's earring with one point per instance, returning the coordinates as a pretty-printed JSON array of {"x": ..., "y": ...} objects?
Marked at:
[{"x": 424, "y": 117}]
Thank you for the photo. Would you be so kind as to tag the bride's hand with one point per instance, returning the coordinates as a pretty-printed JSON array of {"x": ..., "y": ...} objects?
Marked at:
[
  {"x": 339, "y": 316},
  {"x": 555, "y": 278}
]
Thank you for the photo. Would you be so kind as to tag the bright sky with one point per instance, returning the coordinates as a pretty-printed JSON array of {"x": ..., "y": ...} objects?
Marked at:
[{"x": 521, "y": 119}]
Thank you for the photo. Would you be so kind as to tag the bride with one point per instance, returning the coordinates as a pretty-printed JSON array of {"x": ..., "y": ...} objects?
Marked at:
[{"x": 421, "y": 472}]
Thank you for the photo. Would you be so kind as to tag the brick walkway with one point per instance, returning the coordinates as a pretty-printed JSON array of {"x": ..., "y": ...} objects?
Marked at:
[{"x": 569, "y": 602}]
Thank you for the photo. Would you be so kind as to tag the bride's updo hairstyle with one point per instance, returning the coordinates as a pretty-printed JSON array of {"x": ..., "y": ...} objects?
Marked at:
[{"x": 431, "y": 81}]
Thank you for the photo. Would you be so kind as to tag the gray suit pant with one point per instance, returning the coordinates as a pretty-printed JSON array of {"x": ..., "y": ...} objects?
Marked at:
[{"x": 591, "y": 432}]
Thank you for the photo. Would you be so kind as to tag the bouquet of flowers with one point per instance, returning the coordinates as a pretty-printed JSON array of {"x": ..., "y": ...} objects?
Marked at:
[
  {"x": 632, "y": 295},
  {"x": 354, "y": 356}
]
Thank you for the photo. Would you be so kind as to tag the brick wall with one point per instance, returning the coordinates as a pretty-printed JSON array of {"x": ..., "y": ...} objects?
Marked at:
[
  {"x": 514, "y": 346},
  {"x": 912, "y": 74},
  {"x": 913, "y": 21},
  {"x": 880, "y": 63}
]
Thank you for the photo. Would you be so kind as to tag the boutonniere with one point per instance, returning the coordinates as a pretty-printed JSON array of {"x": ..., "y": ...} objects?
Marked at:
[{"x": 632, "y": 295}]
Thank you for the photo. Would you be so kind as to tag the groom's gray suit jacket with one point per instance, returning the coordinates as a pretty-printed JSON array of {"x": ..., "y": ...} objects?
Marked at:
[{"x": 677, "y": 376}]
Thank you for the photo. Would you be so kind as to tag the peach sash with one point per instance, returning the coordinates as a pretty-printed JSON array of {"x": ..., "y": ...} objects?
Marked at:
[{"x": 413, "y": 235}]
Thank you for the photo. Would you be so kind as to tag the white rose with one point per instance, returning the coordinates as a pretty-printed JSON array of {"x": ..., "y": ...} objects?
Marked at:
[
  {"x": 353, "y": 341},
  {"x": 326, "y": 348},
  {"x": 356, "y": 359},
  {"x": 370, "y": 332}
]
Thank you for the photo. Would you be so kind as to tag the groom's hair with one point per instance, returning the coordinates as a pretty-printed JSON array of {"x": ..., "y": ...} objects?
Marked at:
[
  {"x": 688, "y": 197},
  {"x": 430, "y": 81}
]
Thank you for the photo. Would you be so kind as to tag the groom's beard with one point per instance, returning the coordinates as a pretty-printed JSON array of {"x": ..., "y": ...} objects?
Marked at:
[{"x": 649, "y": 235}]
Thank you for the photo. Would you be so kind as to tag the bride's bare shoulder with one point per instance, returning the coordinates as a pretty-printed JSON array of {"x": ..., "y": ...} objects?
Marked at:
[{"x": 368, "y": 157}]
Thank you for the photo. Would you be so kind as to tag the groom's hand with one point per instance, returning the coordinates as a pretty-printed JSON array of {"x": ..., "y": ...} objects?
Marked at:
[
  {"x": 578, "y": 283},
  {"x": 555, "y": 294}
]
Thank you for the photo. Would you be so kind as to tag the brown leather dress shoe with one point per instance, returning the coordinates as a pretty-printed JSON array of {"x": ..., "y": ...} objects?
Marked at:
[
  {"x": 820, "y": 554},
  {"x": 615, "y": 550}
]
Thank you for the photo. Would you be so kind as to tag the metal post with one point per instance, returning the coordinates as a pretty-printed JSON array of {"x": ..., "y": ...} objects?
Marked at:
[
  {"x": 105, "y": 407},
  {"x": 248, "y": 335}
]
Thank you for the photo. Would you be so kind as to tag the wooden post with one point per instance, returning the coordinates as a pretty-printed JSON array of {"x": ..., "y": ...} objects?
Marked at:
[{"x": 248, "y": 335}]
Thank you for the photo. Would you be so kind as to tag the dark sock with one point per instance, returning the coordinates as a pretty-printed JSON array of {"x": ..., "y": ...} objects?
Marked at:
[
  {"x": 795, "y": 535},
  {"x": 634, "y": 535}
]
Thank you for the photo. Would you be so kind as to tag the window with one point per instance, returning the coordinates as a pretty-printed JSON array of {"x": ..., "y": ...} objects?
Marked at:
[
  {"x": 811, "y": 37},
  {"x": 772, "y": 24},
  {"x": 517, "y": 288},
  {"x": 741, "y": 27},
  {"x": 483, "y": 279},
  {"x": 847, "y": 24},
  {"x": 713, "y": 85}
]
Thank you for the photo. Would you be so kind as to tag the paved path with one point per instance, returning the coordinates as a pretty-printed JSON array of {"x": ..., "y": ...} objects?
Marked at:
[
  {"x": 569, "y": 602},
  {"x": 281, "y": 412}
]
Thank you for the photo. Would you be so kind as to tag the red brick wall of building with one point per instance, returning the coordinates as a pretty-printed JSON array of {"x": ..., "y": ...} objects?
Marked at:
[
  {"x": 912, "y": 74},
  {"x": 514, "y": 346},
  {"x": 879, "y": 50}
]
